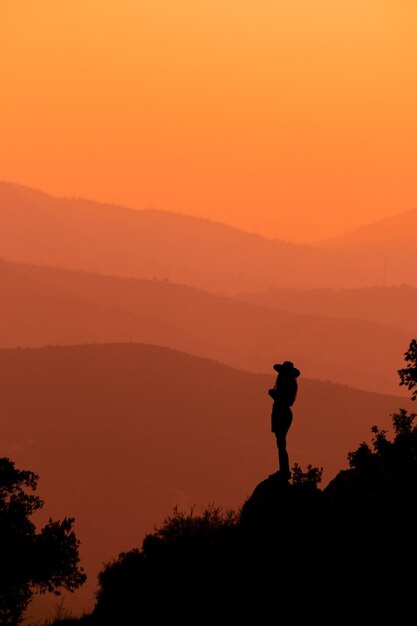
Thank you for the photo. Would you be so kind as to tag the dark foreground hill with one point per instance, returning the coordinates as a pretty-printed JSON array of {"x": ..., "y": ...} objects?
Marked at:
[
  {"x": 120, "y": 434},
  {"x": 294, "y": 553},
  {"x": 49, "y": 306}
]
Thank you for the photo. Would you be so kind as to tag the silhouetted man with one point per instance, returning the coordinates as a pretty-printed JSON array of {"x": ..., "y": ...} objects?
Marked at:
[{"x": 284, "y": 393}]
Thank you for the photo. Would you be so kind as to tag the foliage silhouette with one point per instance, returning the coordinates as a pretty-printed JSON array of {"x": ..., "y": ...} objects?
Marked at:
[
  {"x": 211, "y": 564},
  {"x": 176, "y": 570},
  {"x": 408, "y": 375},
  {"x": 312, "y": 477},
  {"x": 31, "y": 561}
]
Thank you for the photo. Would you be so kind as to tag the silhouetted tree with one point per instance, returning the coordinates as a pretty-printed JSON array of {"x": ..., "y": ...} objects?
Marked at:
[
  {"x": 408, "y": 375},
  {"x": 183, "y": 569},
  {"x": 31, "y": 561},
  {"x": 312, "y": 477}
]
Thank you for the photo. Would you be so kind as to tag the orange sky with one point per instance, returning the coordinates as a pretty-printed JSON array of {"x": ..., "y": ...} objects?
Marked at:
[{"x": 291, "y": 118}]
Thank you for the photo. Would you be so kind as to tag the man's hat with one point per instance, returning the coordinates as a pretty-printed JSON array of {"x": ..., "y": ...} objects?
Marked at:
[{"x": 287, "y": 368}]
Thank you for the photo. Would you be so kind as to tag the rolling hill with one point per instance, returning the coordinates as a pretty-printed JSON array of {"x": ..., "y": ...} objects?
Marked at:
[
  {"x": 387, "y": 248},
  {"x": 73, "y": 233},
  {"x": 80, "y": 234},
  {"x": 42, "y": 306},
  {"x": 120, "y": 434},
  {"x": 399, "y": 227},
  {"x": 392, "y": 306}
]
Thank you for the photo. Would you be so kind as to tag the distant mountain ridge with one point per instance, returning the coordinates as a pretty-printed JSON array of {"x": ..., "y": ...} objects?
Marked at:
[
  {"x": 48, "y": 306},
  {"x": 392, "y": 306},
  {"x": 402, "y": 226},
  {"x": 80, "y": 234}
]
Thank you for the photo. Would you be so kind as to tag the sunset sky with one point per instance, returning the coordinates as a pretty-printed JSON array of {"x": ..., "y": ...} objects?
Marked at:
[{"x": 290, "y": 118}]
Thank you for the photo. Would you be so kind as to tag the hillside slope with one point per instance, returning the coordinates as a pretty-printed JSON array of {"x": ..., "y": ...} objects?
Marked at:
[
  {"x": 119, "y": 434},
  {"x": 42, "y": 306},
  {"x": 402, "y": 226},
  {"x": 81, "y": 234},
  {"x": 392, "y": 306}
]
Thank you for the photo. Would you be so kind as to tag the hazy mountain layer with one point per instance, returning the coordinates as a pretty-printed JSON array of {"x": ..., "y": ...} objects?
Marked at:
[
  {"x": 402, "y": 226},
  {"x": 392, "y": 306},
  {"x": 43, "y": 306},
  {"x": 80, "y": 234}
]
